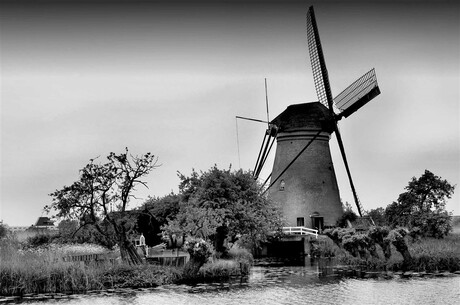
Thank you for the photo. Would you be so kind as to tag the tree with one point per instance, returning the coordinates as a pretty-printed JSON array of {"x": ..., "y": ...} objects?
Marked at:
[
  {"x": 163, "y": 208},
  {"x": 155, "y": 213},
  {"x": 423, "y": 206},
  {"x": 70, "y": 231},
  {"x": 224, "y": 204},
  {"x": 3, "y": 230},
  {"x": 101, "y": 195},
  {"x": 378, "y": 216}
]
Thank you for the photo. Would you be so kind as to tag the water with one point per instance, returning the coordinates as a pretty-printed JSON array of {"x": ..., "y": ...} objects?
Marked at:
[{"x": 290, "y": 285}]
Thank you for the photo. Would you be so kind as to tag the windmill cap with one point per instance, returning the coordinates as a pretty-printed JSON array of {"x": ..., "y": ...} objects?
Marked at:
[{"x": 303, "y": 116}]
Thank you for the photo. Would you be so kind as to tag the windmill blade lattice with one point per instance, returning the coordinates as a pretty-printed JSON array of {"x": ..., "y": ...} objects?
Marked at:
[
  {"x": 362, "y": 91},
  {"x": 323, "y": 89},
  {"x": 318, "y": 65}
]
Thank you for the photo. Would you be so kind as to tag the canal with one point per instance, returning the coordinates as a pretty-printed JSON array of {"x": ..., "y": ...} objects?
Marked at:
[{"x": 288, "y": 285}]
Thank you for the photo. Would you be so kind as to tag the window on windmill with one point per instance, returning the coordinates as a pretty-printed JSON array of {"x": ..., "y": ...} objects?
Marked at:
[
  {"x": 282, "y": 183},
  {"x": 300, "y": 221}
]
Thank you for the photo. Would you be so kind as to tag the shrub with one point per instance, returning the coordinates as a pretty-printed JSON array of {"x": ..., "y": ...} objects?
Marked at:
[
  {"x": 198, "y": 249},
  {"x": 240, "y": 255},
  {"x": 40, "y": 240},
  {"x": 223, "y": 269},
  {"x": 325, "y": 248},
  {"x": 347, "y": 215}
]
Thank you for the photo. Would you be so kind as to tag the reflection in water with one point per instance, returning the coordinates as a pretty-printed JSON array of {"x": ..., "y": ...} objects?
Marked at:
[{"x": 292, "y": 285}]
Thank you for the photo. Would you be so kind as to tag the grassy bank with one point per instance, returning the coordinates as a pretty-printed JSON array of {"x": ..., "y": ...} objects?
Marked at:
[
  {"x": 428, "y": 255},
  {"x": 42, "y": 270}
]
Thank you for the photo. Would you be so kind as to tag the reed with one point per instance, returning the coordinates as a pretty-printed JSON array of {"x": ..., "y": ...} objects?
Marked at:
[
  {"x": 428, "y": 255},
  {"x": 221, "y": 269},
  {"x": 432, "y": 255},
  {"x": 43, "y": 271}
]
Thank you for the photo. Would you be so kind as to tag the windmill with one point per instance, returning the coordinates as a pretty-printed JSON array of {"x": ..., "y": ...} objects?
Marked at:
[{"x": 303, "y": 177}]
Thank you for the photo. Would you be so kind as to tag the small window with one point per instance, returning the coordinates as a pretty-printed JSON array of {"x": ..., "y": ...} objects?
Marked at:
[
  {"x": 300, "y": 222},
  {"x": 282, "y": 183}
]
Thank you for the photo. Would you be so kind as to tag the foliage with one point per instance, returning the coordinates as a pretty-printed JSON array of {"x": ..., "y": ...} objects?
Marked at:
[
  {"x": 3, "y": 230},
  {"x": 101, "y": 195},
  {"x": 378, "y": 216},
  {"x": 70, "y": 231},
  {"x": 198, "y": 249},
  {"x": 223, "y": 269},
  {"x": 348, "y": 215},
  {"x": 240, "y": 255},
  {"x": 43, "y": 271},
  {"x": 423, "y": 206},
  {"x": 220, "y": 204},
  {"x": 378, "y": 234},
  {"x": 155, "y": 213},
  {"x": 364, "y": 244},
  {"x": 426, "y": 254},
  {"x": 163, "y": 208},
  {"x": 396, "y": 237},
  {"x": 125, "y": 276},
  {"x": 430, "y": 254},
  {"x": 338, "y": 234},
  {"x": 357, "y": 244},
  {"x": 325, "y": 248},
  {"x": 40, "y": 240}
]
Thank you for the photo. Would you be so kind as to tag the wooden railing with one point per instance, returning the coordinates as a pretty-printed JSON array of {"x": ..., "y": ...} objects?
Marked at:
[
  {"x": 88, "y": 258},
  {"x": 300, "y": 231}
]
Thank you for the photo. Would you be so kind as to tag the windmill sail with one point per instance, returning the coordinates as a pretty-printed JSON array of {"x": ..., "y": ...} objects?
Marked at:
[
  {"x": 362, "y": 91},
  {"x": 323, "y": 88},
  {"x": 318, "y": 65}
]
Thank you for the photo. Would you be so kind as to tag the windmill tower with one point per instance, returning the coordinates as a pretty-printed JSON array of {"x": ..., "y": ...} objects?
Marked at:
[{"x": 303, "y": 179}]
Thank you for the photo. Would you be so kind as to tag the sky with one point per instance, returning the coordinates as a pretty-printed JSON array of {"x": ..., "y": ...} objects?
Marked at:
[{"x": 83, "y": 79}]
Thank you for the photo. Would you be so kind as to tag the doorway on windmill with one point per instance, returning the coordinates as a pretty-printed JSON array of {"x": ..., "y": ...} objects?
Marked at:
[
  {"x": 317, "y": 221},
  {"x": 300, "y": 221}
]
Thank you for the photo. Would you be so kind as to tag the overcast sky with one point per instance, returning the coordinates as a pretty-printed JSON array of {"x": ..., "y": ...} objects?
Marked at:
[{"x": 82, "y": 80}]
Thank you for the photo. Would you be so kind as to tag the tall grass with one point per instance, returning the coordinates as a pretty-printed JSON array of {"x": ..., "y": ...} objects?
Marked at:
[
  {"x": 238, "y": 263},
  {"x": 432, "y": 254},
  {"x": 428, "y": 255},
  {"x": 43, "y": 271}
]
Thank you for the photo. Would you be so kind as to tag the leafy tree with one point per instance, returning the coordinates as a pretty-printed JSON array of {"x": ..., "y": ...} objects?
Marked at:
[
  {"x": 224, "y": 205},
  {"x": 155, "y": 213},
  {"x": 396, "y": 237},
  {"x": 163, "y": 208},
  {"x": 199, "y": 251},
  {"x": 423, "y": 205},
  {"x": 103, "y": 192},
  {"x": 70, "y": 231},
  {"x": 378, "y": 216}
]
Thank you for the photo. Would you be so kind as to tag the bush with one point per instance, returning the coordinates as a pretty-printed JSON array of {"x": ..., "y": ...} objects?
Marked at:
[
  {"x": 241, "y": 255},
  {"x": 325, "y": 248},
  {"x": 40, "y": 240},
  {"x": 198, "y": 248},
  {"x": 347, "y": 215},
  {"x": 222, "y": 269}
]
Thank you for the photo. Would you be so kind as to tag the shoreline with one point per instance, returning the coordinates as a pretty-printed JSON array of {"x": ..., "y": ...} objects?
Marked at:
[{"x": 339, "y": 272}]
